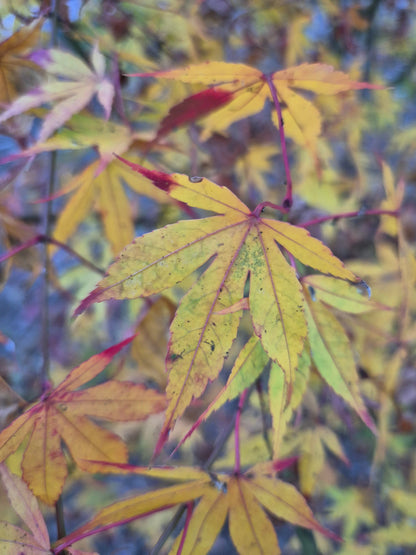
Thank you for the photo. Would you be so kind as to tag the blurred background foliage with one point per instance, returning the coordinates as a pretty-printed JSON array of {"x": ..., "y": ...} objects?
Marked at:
[{"x": 360, "y": 485}]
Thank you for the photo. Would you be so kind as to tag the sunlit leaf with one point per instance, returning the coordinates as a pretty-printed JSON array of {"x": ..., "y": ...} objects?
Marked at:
[
  {"x": 239, "y": 245},
  {"x": 333, "y": 357}
]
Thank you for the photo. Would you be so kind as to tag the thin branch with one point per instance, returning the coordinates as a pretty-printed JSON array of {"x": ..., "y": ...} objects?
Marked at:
[
  {"x": 168, "y": 530},
  {"x": 266, "y": 438},
  {"x": 288, "y": 200},
  {"x": 189, "y": 511},
  {"x": 370, "y": 14},
  {"x": 237, "y": 463},
  {"x": 357, "y": 213},
  {"x": 59, "y": 513},
  {"x": 41, "y": 238},
  {"x": 260, "y": 207}
]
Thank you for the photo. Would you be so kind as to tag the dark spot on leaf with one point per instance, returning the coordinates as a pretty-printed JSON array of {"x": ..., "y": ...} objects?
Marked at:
[
  {"x": 175, "y": 356},
  {"x": 312, "y": 292},
  {"x": 363, "y": 285}
]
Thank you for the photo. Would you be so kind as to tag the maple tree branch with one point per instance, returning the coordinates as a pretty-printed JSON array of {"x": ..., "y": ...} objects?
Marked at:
[
  {"x": 42, "y": 238},
  {"x": 263, "y": 410},
  {"x": 47, "y": 270},
  {"x": 288, "y": 200},
  {"x": 260, "y": 207},
  {"x": 47, "y": 273},
  {"x": 237, "y": 465},
  {"x": 59, "y": 514},
  {"x": 189, "y": 511},
  {"x": 354, "y": 214}
]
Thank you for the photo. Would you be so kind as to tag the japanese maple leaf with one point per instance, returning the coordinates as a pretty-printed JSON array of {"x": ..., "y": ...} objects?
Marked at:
[
  {"x": 238, "y": 244},
  {"x": 330, "y": 347},
  {"x": 238, "y": 91},
  {"x": 14, "y": 63},
  {"x": 244, "y": 498},
  {"x": 102, "y": 183},
  {"x": 70, "y": 94},
  {"x": 247, "y": 368},
  {"x": 62, "y": 415},
  {"x": 311, "y": 444},
  {"x": 14, "y": 539}
]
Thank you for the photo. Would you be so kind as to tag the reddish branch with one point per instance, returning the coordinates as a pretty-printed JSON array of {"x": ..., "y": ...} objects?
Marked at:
[
  {"x": 376, "y": 212},
  {"x": 288, "y": 200},
  {"x": 42, "y": 239},
  {"x": 237, "y": 465}
]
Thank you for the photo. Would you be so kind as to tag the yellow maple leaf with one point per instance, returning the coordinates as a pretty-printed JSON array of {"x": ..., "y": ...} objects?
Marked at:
[
  {"x": 239, "y": 91},
  {"x": 239, "y": 245},
  {"x": 244, "y": 498},
  {"x": 13, "y": 61}
]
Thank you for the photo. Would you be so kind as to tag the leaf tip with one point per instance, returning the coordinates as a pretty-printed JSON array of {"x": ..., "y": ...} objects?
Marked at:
[
  {"x": 160, "y": 179},
  {"x": 85, "y": 303},
  {"x": 163, "y": 437}
]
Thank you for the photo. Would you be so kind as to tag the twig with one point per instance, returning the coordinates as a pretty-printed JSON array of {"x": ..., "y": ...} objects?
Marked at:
[
  {"x": 266, "y": 438},
  {"x": 41, "y": 238},
  {"x": 237, "y": 463},
  {"x": 350, "y": 215},
  {"x": 370, "y": 15},
  {"x": 260, "y": 207},
  {"x": 59, "y": 514},
  {"x": 288, "y": 200},
  {"x": 189, "y": 511}
]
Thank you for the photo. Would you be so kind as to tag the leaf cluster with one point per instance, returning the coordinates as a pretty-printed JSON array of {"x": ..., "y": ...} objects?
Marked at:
[{"x": 239, "y": 183}]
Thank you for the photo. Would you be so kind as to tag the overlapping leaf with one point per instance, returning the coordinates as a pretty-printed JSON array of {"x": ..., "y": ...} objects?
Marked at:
[
  {"x": 311, "y": 443},
  {"x": 62, "y": 415},
  {"x": 101, "y": 183},
  {"x": 333, "y": 357},
  {"x": 238, "y": 245},
  {"x": 14, "y": 62},
  {"x": 239, "y": 91},
  {"x": 243, "y": 498},
  {"x": 79, "y": 84},
  {"x": 14, "y": 539}
]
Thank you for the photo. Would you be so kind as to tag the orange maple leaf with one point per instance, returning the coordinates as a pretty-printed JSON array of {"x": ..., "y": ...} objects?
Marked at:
[
  {"x": 62, "y": 414},
  {"x": 13, "y": 61},
  {"x": 242, "y": 497}
]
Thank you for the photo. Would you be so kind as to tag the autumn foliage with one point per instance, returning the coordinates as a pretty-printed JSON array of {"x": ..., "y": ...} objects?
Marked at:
[{"x": 256, "y": 225}]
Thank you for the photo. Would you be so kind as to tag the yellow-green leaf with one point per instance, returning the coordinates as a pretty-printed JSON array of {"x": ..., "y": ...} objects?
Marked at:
[
  {"x": 332, "y": 354},
  {"x": 238, "y": 244}
]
